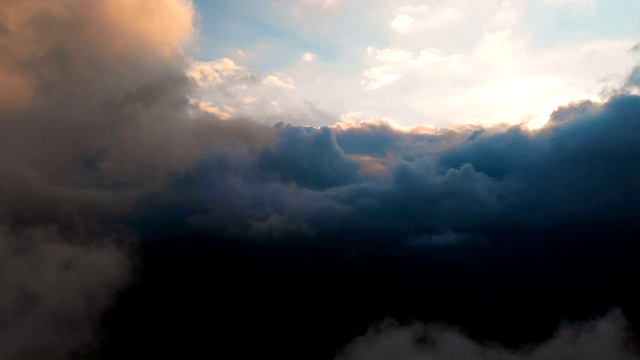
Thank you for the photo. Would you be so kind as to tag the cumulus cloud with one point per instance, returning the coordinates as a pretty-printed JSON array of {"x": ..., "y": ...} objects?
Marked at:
[
  {"x": 501, "y": 77},
  {"x": 264, "y": 98},
  {"x": 275, "y": 81},
  {"x": 428, "y": 186},
  {"x": 439, "y": 63},
  {"x": 308, "y": 57},
  {"x": 425, "y": 17},
  {"x": 310, "y": 157},
  {"x": 214, "y": 71},
  {"x": 94, "y": 117},
  {"x": 207, "y": 107},
  {"x": 604, "y": 338},
  {"x": 110, "y": 107}
]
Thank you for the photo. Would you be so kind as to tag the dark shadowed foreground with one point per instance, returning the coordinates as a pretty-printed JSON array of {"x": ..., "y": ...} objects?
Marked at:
[{"x": 200, "y": 295}]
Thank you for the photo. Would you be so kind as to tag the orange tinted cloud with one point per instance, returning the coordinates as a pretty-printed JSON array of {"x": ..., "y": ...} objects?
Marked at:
[
  {"x": 369, "y": 165},
  {"x": 46, "y": 44}
]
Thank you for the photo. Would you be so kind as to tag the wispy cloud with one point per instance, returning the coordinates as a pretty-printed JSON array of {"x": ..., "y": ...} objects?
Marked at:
[{"x": 604, "y": 338}]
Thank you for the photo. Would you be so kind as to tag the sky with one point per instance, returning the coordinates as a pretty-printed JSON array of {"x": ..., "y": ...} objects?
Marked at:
[
  {"x": 419, "y": 63},
  {"x": 319, "y": 180}
]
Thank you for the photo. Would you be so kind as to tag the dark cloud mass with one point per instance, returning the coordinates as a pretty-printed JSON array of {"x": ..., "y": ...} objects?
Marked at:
[
  {"x": 94, "y": 115},
  {"x": 100, "y": 144},
  {"x": 579, "y": 170},
  {"x": 310, "y": 157}
]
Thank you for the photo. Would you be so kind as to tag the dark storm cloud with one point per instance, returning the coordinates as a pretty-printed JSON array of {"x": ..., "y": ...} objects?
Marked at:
[
  {"x": 381, "y": 139},
  {"x": 579, "y": 169},
  {"x": 310, "y": 157}
]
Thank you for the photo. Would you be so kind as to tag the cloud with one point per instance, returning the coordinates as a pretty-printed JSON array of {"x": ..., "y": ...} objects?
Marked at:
[
  {"x": 378, "y": 76},
  {"x": 214, "y": 71},
  {"x": 604, "y": 338},
  {"x": 500, "y": 77},
  {"x": 207, "y": 107},
  {"x": 369, "y": 165},
  {"x": 419, "y": 18},
  {"x": 308, "y": 57},
  {"x": 275, "y": 81},
  {"x": 450, "y": 63},
  {"x": 98, "y": 118},
  {"x": 310, "y": 157},
  {"x": 634, "y": 78},
  {"x": 262, "y": 98},
  {"x": 409, "y": 188},
  {"x": 389, "y": 55},
  {"x": 55, "y": 288},
  {"x": 133, "y": 127}
]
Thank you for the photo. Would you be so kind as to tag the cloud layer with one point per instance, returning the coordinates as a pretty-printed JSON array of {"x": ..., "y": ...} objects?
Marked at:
[
  {"x": 375, "y": 177},
  {"x": 105, "y": 136}
]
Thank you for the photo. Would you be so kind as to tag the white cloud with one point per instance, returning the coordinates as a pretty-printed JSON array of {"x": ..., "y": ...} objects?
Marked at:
[
  {"x": 402, "y": 23},
  {"x": 415, "y": 18},
  {"x": 442, "y": 64},
  {"x": 308, "y": 57},
  {"x": 214, "y": 71},
  {"x": 501, "y": 77},
  {"x": 389, "y": 55},
  {"x": 208, "y": 107},
  {"x": 379, "y": 76},
  {"x": 274, "y": 80},
  {"x": 229, "y": 90}
]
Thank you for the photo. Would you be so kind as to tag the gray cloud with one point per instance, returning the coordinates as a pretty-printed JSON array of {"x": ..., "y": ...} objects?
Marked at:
[
  {"x": 54, "y": 289},
  {"x": 94, "y": 116},
  {"x": 634, "y": 77},
  {"x": 100, "y": 118},
  {"x": 604, "y": 338},
  {"x": 310, "y": 157},
  {"x": 371, "y": 179}
]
